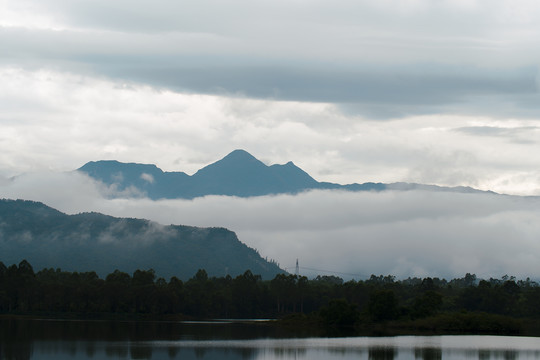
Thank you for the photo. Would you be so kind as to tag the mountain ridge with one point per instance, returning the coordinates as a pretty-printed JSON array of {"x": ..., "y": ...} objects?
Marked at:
[
  {"x": 93, "y": 241},
  {"x": 237, "y": 174}
]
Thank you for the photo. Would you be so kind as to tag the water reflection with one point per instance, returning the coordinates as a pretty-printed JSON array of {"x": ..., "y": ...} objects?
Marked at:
[
  {"x": 116, "y": 351},
  {"x": 485, "y": 354},
  {"x": 289, "y": 353},
  {"x": 381, "y": 353},
  {"x": 428, "y": 353},
  {"x": 35, "y": 339}
]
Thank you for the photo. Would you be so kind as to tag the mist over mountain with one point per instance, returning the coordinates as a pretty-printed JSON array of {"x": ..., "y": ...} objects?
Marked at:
[
  {"x": 237, "y": 174},
  {"x": 96, "y": 242}
]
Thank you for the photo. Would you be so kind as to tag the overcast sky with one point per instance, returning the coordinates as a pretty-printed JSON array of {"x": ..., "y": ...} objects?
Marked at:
[{"x": 437, "y": 92}]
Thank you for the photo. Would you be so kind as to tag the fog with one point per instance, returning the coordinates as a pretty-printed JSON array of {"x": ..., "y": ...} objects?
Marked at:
[{"x": 352, "y": 235}]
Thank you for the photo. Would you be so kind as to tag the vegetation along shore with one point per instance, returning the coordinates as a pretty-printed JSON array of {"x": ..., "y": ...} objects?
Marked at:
[{"x": 378, "y": 305}]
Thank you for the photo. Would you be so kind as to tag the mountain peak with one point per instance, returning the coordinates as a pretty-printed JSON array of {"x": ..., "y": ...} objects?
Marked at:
[
  {"x": 239, "y": 154},
  {"x": 237, "y": 160}
]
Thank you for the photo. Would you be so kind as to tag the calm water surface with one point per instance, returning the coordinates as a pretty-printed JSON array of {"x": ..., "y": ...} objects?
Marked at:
[{"x": 47, "y": 339}]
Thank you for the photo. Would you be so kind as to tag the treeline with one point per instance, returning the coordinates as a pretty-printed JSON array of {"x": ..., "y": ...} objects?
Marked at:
[{"x": 377, "y": 299}]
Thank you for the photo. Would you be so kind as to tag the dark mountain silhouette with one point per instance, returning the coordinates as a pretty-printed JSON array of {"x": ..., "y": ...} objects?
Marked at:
[
  {"x": 96, "y": 242},
  {"x": 237, "y": 174}
]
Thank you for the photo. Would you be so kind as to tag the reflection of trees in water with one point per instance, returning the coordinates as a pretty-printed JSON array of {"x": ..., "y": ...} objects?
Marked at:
[
  {"x": 510, "y": 354},
  {"x": 344, "y": 351},
  {"x": 484, "y": 354},
  {"x": 15, "y": 340},
  {"x": 70, "y": 347},
  {"x": 16, "y": 351},
  {"x": 289, "y": 353},
  {"x": 214, "y": 353},
  {"x": 172, "y": 351},
  {"x": 381, "y": 353},
  {"x": 428, "y": 353},
  {"x": 44, "y": 330},
  {"x": 21, "y": 339},
  {"x": 199, "y": 352},
  {"x": 140, "y": 352},
  {"x": 118, "y": 351},
  {"x": 247, "y": 353},
  {"x": 90, "y": 349},
  {"x": 18, "y": 337}
]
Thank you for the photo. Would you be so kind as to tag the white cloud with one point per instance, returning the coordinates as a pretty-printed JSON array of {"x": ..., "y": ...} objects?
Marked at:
[
  {"x": 461, "y": 31},
  {"x": 147, "y": 177}
]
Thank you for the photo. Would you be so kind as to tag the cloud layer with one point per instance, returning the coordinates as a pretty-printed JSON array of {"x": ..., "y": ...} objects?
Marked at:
[{"x": 410, "y": 233}]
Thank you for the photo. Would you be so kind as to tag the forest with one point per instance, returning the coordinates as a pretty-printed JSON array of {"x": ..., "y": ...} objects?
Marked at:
[{"x": 460, "y": 305}]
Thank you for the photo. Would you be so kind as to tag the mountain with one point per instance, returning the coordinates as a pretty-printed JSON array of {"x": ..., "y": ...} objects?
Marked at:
[
  {"x": 237, "y": 174},
  {"x": 138, "y": 179},
  {"x": 96, "y": 242},
  {"x": 241, "y": 174}
]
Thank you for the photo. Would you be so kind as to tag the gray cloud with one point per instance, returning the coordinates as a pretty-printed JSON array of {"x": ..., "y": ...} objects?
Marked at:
[
  {"x": 200, "y": 63},
  {"x": 376, "y": 91},
  {"x": 380, "y": 60},
  {"x": 522, "y": 134},
  {"x": 494, "y": 131}
]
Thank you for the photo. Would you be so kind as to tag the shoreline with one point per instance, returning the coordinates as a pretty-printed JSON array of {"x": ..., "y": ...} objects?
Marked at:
[{"x": 300, "y": 324}]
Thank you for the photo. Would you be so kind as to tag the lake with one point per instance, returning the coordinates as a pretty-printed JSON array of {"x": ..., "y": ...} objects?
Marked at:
[{"x": 23, "y": 339}]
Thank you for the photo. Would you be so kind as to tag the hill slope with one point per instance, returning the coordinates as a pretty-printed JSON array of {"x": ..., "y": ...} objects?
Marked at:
[{"x": 92, "y": 241}]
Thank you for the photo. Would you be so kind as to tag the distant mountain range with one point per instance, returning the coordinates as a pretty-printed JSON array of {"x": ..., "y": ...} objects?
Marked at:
[
  {"x": 237, "y": 174},
  {"x": 96, "y": 242}
]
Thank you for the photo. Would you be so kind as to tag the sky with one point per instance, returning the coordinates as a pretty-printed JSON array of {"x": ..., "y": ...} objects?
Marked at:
[{"x": 436, "y": 92}]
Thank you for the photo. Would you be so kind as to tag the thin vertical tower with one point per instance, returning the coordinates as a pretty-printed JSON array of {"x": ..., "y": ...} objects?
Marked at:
[{"x": 297, "y": 271}]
